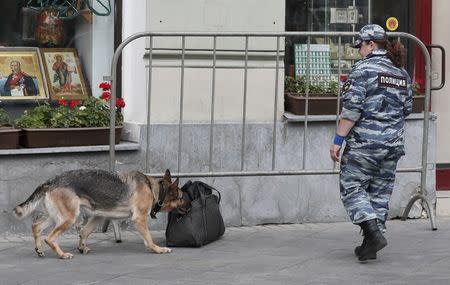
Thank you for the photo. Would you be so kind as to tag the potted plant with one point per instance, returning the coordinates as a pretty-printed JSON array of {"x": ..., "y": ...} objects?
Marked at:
[
  {"x": 322, "y": 99},
  {"x": 9, "y": 136},
  {"x": 418, "y": 98},
  {"x": 71, "y": 123}
]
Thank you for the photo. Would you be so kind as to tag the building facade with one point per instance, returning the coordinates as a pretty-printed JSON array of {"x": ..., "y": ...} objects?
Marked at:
[{"x": 247, "y": 200}]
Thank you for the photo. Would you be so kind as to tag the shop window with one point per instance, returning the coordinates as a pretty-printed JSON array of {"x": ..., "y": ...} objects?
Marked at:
[
  {"x": 77, "y": 32},
  {"x": 55, "y": 52},
  {"x": 322, "y": 63}
]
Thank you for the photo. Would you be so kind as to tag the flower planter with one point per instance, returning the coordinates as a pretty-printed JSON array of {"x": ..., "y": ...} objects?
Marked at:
[
  {"x": 317, "y": 104},
  {"x": 326, "y": 105},
  {"x": 9, "y": 138},
  {"x": 59, "y": 137},
  {"x": 418, "y": 104}
]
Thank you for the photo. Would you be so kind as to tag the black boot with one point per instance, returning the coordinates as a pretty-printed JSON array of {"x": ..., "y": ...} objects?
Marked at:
[
  {"x": 360, "y": 247},
  {"x": 373, "y": 241}
]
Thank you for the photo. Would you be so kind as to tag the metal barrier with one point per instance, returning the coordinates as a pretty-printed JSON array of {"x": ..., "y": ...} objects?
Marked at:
[{"x": 421, "y": 194}]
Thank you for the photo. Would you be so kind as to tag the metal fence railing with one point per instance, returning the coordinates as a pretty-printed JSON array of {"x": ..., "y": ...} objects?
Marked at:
[{"x": 277, "y": 37}]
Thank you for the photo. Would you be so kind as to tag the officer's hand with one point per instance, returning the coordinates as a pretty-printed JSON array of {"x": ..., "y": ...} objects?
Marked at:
[{"x": 335, "y": 151}]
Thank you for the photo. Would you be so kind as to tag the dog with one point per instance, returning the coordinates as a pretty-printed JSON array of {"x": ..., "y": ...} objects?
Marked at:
[{"x": 103, "y": 195}]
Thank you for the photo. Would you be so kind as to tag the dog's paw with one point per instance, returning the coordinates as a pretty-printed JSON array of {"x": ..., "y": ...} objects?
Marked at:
[
  {"x": 66, "y": 255},
  {"x": 163, "y": 250},
  {"x": 84, "y": 250},
  {"x": 39, "y": 252}
]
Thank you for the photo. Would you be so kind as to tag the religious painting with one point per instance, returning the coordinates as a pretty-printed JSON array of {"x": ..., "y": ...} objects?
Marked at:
[
  {"x": 64, "y": 74},
  {"x": 21, "y": 74}
]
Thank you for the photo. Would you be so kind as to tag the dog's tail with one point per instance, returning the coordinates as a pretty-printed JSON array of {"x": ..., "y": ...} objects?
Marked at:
[{"x": 24, "y": 209}]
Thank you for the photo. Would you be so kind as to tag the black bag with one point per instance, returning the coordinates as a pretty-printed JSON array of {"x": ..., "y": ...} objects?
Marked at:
[{"x": 200, "y": 221}]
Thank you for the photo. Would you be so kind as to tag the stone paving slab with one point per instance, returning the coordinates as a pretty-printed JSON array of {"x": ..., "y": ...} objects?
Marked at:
[{"x": 270, "y": 254}]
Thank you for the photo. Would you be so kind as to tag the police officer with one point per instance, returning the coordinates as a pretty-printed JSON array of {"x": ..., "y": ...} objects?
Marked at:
[{"x": 376, "y": 99}]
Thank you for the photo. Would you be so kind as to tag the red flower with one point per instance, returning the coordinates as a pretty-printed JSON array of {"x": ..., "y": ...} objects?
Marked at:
[
  {"x": 62, "y": 102},
  {"x": 106, "y": 95},
  {"x": 120, "y": 103},
  {"x": 74, "y": 103},
  {"x": 105, "y": 86}
]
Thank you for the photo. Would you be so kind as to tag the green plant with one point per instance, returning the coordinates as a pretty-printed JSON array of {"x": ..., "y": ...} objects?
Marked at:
[
  {"x": 4, "y": 118},
  {"x": 334, "y": 87},
  {"x": 416, "y": 89},
  {"x": 298, "y": 86},
  {"x": 92, "y": 112},
  {"x": 39, "y": 117}
]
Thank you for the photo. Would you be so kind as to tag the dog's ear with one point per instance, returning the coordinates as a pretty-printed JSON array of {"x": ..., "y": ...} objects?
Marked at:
[
  {"x": 175, "y": 183},
  {"x": 173, "y": 187},
  {"x": 167, "y": 176}
]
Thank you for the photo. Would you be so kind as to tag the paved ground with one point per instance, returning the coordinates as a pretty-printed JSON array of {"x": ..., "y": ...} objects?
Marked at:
[{"x": 273, "y": 254}]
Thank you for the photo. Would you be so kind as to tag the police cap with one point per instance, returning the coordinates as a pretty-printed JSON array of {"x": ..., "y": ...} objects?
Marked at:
[{"x": 369, "y": 32}]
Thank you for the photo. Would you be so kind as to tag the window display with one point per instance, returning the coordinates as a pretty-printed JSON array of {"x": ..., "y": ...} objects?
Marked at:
[
  {"x": 315, "y": 67},
  {"x": 68, "y": 37},
  {"x": 343, "y": 16}
]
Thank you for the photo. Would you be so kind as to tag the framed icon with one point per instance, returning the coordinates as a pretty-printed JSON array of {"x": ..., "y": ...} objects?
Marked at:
[
  {"x": 21, "y": 74},
  {"x": 64, "y": 74}
]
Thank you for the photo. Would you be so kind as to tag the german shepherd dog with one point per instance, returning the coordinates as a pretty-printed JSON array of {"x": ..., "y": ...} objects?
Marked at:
[{"x": 102, "y": 195}]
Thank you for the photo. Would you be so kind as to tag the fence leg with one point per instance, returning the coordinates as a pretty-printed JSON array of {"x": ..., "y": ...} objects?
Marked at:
[
  {"x": 427, "y": 208},
  {"x": 116, "y": 228}
]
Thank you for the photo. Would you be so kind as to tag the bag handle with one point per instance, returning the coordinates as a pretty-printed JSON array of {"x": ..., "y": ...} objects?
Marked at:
[
  {"x": 212, "y": 188},
  {"x": 203, "y": 200},
  {"x": 186, "y": 185}
]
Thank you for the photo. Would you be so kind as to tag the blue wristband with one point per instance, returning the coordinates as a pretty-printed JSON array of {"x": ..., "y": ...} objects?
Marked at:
[{"x": 338, "y": 140}]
